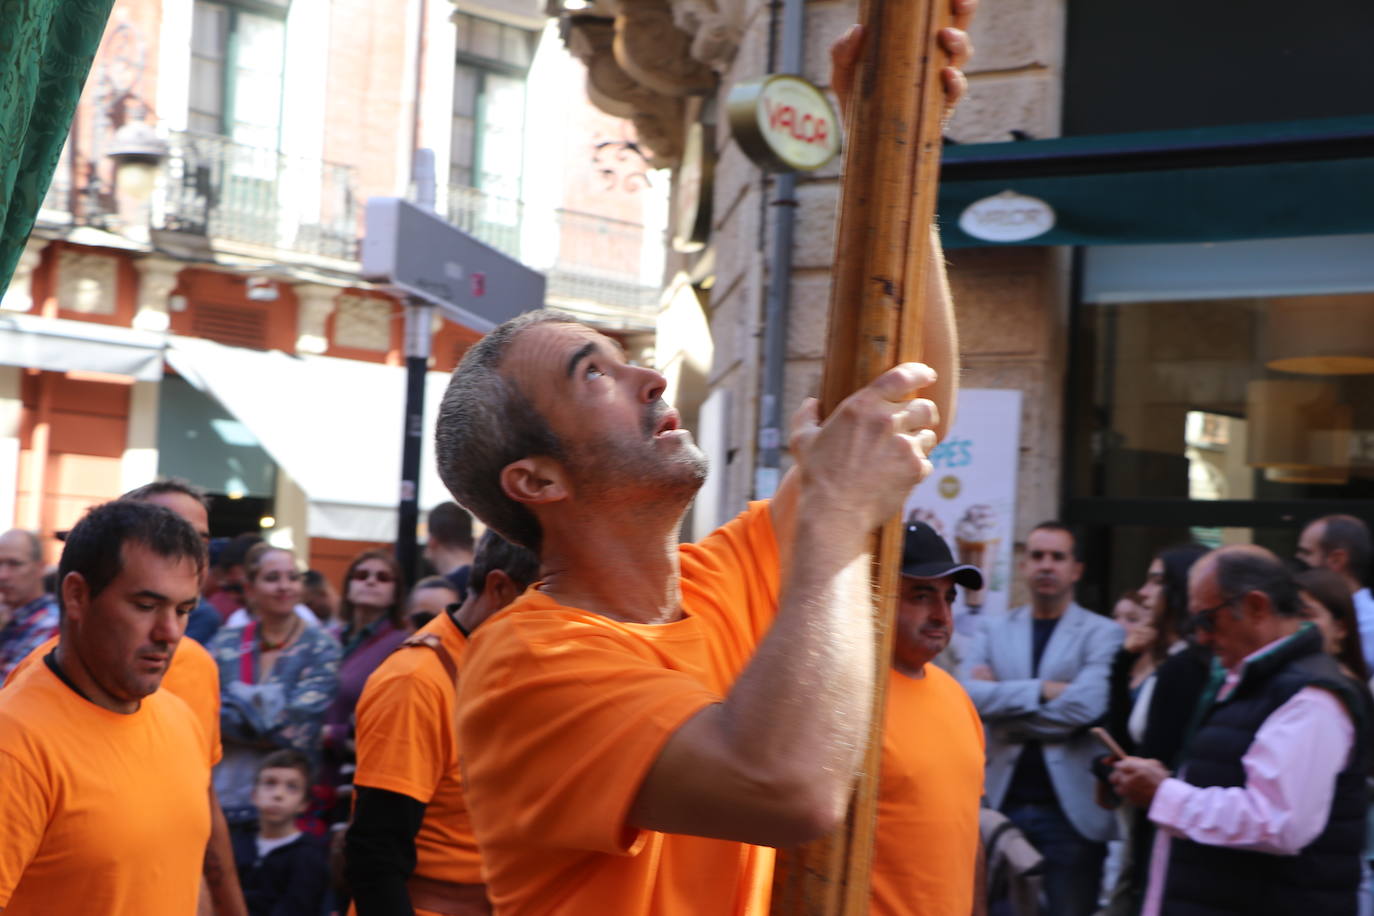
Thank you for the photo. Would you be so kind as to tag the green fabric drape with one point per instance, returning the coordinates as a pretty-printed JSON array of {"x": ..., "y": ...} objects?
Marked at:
[{"x": 46, "y": 49}]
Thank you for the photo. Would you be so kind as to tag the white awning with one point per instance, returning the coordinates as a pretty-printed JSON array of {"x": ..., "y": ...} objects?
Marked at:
[
  {"x": 333, "y": 425},
  {"x": 60, "y": 345}
]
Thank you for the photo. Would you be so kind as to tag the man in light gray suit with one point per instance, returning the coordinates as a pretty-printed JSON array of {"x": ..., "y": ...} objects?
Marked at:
[{"x": 1038, "y": 675}]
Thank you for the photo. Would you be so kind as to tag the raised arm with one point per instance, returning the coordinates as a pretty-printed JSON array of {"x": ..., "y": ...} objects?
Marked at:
[{"x": 774, "y": 763}]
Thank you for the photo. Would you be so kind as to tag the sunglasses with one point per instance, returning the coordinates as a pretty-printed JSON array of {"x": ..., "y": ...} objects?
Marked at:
[
  {"x": 1205, "y": 620},
  {"x": 381, "y": 575}
]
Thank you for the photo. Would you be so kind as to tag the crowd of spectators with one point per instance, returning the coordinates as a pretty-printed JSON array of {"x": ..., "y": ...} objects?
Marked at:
[{"x": 293, "y": 651}]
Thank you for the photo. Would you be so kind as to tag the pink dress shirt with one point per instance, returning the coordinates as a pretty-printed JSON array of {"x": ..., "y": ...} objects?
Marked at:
[{"x": 1290, "y": 779}]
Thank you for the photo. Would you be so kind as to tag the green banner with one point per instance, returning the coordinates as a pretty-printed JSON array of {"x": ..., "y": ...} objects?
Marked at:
[{"x": 46, "y": 49}]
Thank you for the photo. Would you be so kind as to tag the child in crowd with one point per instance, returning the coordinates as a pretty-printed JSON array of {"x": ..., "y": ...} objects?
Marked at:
[{"x": 283, "y": 871}]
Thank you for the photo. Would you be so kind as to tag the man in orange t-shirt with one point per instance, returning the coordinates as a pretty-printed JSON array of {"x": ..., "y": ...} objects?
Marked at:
[
  {"x": 103, "y": 777},
  {"x": 410, "y": 845},
  {"x": 193, "y": 675},
  {"x": 927, "y": 856},
  {"x": 643, "y": 724}
]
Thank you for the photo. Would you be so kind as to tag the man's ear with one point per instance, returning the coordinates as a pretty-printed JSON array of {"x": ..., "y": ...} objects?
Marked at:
[
  {"x": 499, "y": 589},
  {"x": 1338, "y": 560},
  {"x": 533, "y": 481},
  {"x": 76, "y": 595}
]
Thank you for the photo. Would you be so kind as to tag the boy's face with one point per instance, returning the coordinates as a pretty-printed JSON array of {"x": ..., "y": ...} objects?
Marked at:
[{"x": 279, "y": 794}]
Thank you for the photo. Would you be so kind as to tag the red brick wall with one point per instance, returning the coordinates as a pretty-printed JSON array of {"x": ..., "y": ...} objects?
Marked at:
[
  {"x": 88, "y": 429},
  {"x": 368, "y": 82}
]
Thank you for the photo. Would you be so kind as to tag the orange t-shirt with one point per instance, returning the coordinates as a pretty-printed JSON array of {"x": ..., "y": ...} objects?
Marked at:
[
  {"x": 561, "y": 714},
  {"x": 192, "y": 675},
  {"x": 103, "y": 813},
  {"x": 928, "y": 798},
  {"x": 408, "y": 743}
]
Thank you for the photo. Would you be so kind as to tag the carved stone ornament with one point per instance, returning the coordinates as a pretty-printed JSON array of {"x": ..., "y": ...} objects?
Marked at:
[
  {"x": 658, "y": 118},
  {"x": 651, "y": 48},
  {"x": 157, "y": 278},
  {"x": 716, "y": 27},
  {"x": 86, "y": 282}
]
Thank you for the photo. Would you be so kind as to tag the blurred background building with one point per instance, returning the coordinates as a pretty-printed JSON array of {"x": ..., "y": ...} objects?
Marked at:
[
  {"x": 1187, "y": 296},
  {"x": 189, "y": 303},
  {"x": 1158, "y": 218}
]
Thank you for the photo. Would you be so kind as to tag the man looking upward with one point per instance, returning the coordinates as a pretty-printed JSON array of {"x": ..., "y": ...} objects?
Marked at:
[{"x": 927, "y": 849}]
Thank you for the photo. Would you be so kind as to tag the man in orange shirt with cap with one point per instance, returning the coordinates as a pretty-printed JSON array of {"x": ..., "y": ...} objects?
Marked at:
[
  {"x": 927, "y": 851},
  {"x": 103, "y": 777}
]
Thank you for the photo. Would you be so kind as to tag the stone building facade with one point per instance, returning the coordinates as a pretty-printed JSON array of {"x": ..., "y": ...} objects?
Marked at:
[
  {"x": 1207, "y": 233},
  {"x": 665, "y": 63}
]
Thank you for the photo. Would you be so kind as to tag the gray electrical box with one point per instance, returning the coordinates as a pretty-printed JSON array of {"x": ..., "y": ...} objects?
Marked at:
[{"x": 419, "y": 253}]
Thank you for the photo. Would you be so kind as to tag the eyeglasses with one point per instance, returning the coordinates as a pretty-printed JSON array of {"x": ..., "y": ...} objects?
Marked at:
[
  {"x": 1205, "y": 620},
  {"x": 381, "y": 575}
]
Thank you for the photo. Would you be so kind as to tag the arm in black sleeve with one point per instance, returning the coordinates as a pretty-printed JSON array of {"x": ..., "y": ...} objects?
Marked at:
[
  {"x": 1119, "y": 699},
  {"x": 1178, "y": 687},
  {"x": 379, "y": 851}
]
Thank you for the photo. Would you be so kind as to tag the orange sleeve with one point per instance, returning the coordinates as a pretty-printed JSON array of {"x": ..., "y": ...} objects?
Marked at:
[
  {"x": 27, "y": 812},
  {"x": 737, "y": 568},
  {"x": 401, "y": 742},
  {"x": 556, "y": 744}
]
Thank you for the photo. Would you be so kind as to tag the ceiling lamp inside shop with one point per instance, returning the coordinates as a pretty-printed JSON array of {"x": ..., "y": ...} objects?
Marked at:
[
  {"x": 1320, "y": 335},
  {"x": 1299, "y": 431}
]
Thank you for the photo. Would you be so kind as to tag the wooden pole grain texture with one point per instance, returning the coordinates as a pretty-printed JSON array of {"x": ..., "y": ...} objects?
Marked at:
[{"x": 882, "y": 266}]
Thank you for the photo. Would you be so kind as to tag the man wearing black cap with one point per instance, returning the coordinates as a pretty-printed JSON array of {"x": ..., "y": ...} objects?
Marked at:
[{"x": 932, "y": 771}]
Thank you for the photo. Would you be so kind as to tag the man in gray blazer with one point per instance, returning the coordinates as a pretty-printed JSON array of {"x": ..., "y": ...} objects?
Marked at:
[{"x": 1038, "y": 675}]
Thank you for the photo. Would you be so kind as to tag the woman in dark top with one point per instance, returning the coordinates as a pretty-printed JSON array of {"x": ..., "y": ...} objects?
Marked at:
[
  {"x": 371, "y": 608},
  {"x": 1151, "y": 718}
]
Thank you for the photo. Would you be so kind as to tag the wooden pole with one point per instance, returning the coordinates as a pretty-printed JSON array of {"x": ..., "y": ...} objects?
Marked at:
[{"x": 882, "y": 267}]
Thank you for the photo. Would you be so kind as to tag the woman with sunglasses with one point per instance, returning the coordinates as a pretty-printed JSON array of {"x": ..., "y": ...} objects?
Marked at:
[
  {"x": 371, "y": 609},
  {"x": 277, "y": 676}
]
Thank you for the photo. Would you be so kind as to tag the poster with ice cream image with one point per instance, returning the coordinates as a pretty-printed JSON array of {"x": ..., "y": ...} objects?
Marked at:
[{"x": 970, "y": 498}]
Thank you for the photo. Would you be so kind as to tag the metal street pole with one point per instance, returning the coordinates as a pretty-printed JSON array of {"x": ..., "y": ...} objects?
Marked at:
[{"x": 419, "y": 319}]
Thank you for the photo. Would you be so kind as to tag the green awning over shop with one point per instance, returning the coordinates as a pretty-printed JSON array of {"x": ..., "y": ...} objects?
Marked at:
[{"x": 1206, "y": 185}]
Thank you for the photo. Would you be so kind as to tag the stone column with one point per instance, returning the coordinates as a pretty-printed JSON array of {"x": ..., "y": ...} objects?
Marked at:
[
  {"x": 157, "y": 278},
  {"x": 139, "y": 463},
  {"x": 316, "y": 303},
  {"x": 19, "y": 296}
]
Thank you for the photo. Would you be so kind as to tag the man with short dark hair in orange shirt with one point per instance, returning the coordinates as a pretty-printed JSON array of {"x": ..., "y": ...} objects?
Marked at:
[
  {"x": 927, "y": 853},
  {"x": 103, "y": 777},
  {"x": 642, "y": 725},
  {"x": 410, "y": 847}
]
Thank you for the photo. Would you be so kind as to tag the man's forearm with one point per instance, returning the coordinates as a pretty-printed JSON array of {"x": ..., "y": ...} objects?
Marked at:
[
  {"x": 221, "y": 876},
  {"x": 940, "y": 337},
  {"x": 803, "y": 703}
]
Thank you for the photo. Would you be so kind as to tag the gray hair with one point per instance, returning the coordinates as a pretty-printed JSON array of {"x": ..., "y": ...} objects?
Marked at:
[
  {"x": 35, "y": 545},
  {"x": 486, "y": 423},
  {"x": 1241, "y": 572}
]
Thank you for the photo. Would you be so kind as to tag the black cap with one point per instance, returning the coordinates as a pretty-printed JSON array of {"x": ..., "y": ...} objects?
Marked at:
[{"x": 925, "y": 555}]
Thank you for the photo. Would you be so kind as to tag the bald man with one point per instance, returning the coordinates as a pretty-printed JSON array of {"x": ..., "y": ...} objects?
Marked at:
[
  {"x": 28, "y": 614},
  {"x": 1267, "y": 812}
]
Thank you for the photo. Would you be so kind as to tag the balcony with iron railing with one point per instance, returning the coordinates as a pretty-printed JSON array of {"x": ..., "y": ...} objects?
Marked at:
[
  {"x": 592, "y": 260},
  {"x": 212, "y": 186}
]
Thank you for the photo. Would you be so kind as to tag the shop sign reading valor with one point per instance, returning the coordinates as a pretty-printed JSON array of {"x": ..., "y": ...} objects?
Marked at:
[
  {"x": 1007, "y": 217},
  {"x": 784, "y": 123}
]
